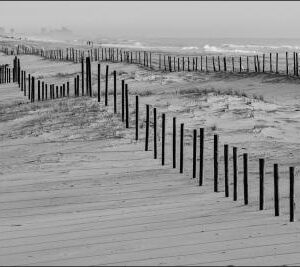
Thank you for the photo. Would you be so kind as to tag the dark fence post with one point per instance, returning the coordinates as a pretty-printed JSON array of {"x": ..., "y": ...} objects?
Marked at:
[
  {"x": 235, "y": 171},
  {"x": 201, "y": 149},
  {"x": 215, "y": 163},
  {"x": 147, "y": 128},
  {"x": 261, "y": 183},
  {"x": 127, "y": 106},
  {"x": 137, "y": 117},
  {"x": 106, "y": 86},
  {"x": 163, "y": 129},
  {"x": 123, "y": 99},
  {"x": 194, "y": 152},
  {"x": 39, "y": 90},
  {"x": 32, "y": 89},
  {"x": 276, "y": 190},
  {"x": 287, "y": 63},
  {"x": 245, "y": 161},
  {"x": 292, "y": 202},
  {"x": 174, "y": 142},
  {"x": 43, "y": 91},
  {"x": 181, "y": 146},
  {"x": 82, "y": 76},
  {"x": 99, "y": 77},
  {"x": 115, "y": 91},
  {"x": 154, "y": 133},
  {"x": 226, "y": 170}
]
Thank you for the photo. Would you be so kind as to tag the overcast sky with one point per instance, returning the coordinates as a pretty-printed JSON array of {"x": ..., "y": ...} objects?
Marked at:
[{"x": 270, "y": 19}]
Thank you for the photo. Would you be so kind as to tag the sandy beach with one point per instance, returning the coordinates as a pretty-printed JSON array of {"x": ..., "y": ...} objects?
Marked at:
[{"x": 77, "y": 189}]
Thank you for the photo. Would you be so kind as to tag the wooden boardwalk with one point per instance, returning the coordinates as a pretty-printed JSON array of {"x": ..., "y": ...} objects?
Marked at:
[{"x": 103, "y": 203}]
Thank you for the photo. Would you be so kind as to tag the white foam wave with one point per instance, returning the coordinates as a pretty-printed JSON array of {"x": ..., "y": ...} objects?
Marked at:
[
  {"x": 190, "y": 48},
  {"x": 216, "y": 49},
  {"x": 290, "y": 47}
]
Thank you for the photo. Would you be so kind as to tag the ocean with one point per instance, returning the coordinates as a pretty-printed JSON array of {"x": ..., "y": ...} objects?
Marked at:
[{"x": 200, "y": 46}]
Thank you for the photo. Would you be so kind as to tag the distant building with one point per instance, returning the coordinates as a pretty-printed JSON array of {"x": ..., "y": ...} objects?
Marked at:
[{"x": 2, "y": 30}]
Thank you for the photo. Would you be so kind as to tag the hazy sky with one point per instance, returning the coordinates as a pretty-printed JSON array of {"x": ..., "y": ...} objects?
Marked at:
[{"x": 157, "y": 18}]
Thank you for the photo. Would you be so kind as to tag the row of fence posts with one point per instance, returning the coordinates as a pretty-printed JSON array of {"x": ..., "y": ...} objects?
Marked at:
[
  {"x": 169, "y": 63},
  {"x": 216, "y": 162},
  {"x": 125, "y": 118},
  {"x": 5, "y": 73}
]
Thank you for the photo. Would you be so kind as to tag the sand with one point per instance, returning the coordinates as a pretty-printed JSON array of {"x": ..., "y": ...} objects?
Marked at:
[{"x": 77, "y": 189}]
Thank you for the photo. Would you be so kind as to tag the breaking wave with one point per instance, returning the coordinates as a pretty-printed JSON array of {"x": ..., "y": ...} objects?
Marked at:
[{"x": 224, "y": 49}]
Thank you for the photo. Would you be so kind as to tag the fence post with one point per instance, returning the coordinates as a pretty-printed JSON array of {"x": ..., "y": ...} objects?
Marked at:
[
  {"x": 43, "y": 91},
  {"x": 136, "y": 117},
  {"x": 261, "y": 183},
  {"x": 174, "y": 142},
  {"x": 194, "y": 152},
  {"x": 245, "y": 161},
  {"x": 46, "y": 91},
  {"x": 32, "y": 90},
  {"x": 215, "y": 163},
  {"x": 82, "y": 76},
  {"x": 292, "y": 202},
  {"x": 270, "y": 62},
  {"x": 123, "y": 98},
  {"x": 127, "y": 106},
  {"x": 147, "y": 128},
  {"x": 106, "y": 86},
  {"x": 276, "y": 63},
  {"x": 163, "y": 139},
  {"x": 115, "y": 92},
  {"x": 154, "y": 133},
  {"x": 39, "y": 90},
  {"x": 226, "y": 170},
  {"x": 99, "y": 77},
  {"x": 276, "y": 190},
  {"x": 235, "y": 171},
  {"x": 287, "y": 63},
  {"x": 201, "y": 149},
  {"x": 181, "y": 146}
]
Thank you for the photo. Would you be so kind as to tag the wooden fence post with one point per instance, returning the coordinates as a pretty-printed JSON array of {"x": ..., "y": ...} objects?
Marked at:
[
  {"x": 276, "y": 190},
  {"x": 163, "y": 139},
  {"x": 292, "y": 202},
  {"x": 287, "y": 63},
  {"x": 82, "y": 76},
  {"x": 245, "y": 161},
  {"x": 276, "y": 63},
  {"x": 99, "y": 78},
  {"x": 181, "y": 147},
  {"x": 235, "y": 171},
  {"x": 261, "y": 183},
  {"x": 226, "y": 170},
  {"x": 147, "y": 128},
  {"x": 43, "y": 91},
  {"x": 154, "y": 133},
  {"x": 106, "y": 86},
  {"x": 194, "y": 152},
  {"x": 136, "y": 117},
  {"x": 123, "y": 100},
  {"x": 201, "y": 149},
  {"x": 174, "y": 142},
  {"x": 215, "y": 163},
  {"x": 115, "y": 92},
  {"x": 39, "y": 90},
  {"x": 127, "y": 105},
  {"x": 270, "y": 62}
]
